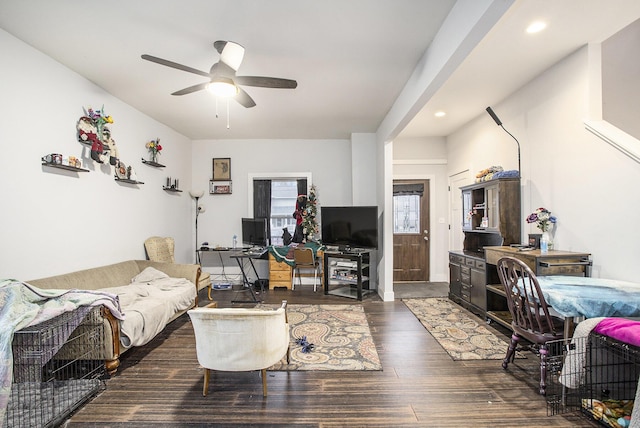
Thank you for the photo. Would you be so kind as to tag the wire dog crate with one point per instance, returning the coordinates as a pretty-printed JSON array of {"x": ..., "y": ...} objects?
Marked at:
[
  {"x": 56, "y": 367},
  {"x": 596, "y": 375}
]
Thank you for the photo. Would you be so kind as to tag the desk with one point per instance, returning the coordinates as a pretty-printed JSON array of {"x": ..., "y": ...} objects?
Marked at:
[
  {"x": 241, "y": 258},
  {"x": 281, "y": 263}
]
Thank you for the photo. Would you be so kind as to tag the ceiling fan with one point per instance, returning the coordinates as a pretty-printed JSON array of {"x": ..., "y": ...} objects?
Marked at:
[{"x": 223, "y": 80}]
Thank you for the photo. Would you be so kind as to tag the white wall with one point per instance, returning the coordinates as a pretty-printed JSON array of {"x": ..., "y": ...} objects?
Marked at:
[
  {"x": 328, "y": 161},
  {"x": 425, "y": 158},
  {"x": 363, "y": 169},
  {"x": 585, "y": 182},
  {"x": 53, "y": 221}
]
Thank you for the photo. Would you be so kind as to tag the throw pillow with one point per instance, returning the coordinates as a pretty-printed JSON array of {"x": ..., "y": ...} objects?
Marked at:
[{"x": 148, "y": 275}]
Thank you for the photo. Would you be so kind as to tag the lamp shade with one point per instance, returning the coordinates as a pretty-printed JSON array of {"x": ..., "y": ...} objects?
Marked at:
[
  {"x": 201, "y": 208},
  {"x": 222, "y": 87},
  {"x": 196, "y": 193}
]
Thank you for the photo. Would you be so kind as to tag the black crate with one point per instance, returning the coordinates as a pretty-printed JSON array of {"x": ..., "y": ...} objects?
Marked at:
[
  {"x": 596, "y": 375},
  {"x": 57, "y": 366}
]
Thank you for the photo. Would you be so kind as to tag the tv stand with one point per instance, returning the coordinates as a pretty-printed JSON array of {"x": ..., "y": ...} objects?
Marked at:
[{"x": 350, "y": 271}]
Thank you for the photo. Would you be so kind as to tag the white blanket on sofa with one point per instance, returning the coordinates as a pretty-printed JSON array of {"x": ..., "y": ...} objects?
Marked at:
[{"x": 149, "y": 303}]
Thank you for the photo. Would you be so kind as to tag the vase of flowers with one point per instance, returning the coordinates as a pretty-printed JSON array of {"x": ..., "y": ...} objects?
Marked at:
[
  {"x": 544, "y": 221},
  {"x": 154, "y": 148}
]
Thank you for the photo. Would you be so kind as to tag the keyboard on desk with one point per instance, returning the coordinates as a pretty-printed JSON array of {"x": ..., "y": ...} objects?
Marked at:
[{"x": 256, "y": 251}]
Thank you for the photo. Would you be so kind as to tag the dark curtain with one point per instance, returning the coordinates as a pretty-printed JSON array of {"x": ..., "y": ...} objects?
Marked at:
[
  {"x": 408, "y": 189},
  {"x": 262, "y": 201},
  {"x": 302, "y": 186}
]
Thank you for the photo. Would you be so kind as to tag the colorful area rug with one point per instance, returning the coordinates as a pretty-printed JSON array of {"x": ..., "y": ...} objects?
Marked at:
[
  {"x": 458, "y": 331},
  {"x": 340, "y": 336}
]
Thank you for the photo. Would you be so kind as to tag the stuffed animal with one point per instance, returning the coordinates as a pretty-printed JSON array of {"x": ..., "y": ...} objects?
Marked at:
[
  {"x": 111, "y": 145},
  {"x": 301, "y": 203},
  {"x": 286, "y": 236}
]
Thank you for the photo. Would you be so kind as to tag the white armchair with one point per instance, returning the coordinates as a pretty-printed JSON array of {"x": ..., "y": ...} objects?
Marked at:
[{"x": 239, "y": 339}]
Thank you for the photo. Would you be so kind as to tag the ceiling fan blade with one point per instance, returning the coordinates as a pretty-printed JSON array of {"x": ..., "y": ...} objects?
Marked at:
[
  {"x": 232, "y": 55},
  {"x": 244, "y": 99},
  {"x": 219, "y": 45},
  {"x": 191, "y": 89},
  {"x": 174, "y": 65},
  {"x": 266, "y": 82}
]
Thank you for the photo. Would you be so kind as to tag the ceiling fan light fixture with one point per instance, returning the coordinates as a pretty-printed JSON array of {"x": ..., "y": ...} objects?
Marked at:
[{"x": 222, "y": 87}]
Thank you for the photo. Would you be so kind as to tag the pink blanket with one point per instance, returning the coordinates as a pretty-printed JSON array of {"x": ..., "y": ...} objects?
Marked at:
[{"x": 622, "y": 329}]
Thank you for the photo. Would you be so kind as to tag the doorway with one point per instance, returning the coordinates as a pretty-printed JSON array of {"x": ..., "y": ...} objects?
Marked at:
[
  {"x": 456, "y": 237},
  {"x": 411, "y": 231}
]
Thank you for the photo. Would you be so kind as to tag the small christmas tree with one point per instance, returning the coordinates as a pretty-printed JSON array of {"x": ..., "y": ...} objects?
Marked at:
[{"x": 309, "y": 221}]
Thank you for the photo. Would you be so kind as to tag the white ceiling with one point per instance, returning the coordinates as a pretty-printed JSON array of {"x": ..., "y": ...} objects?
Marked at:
[{"x": 351, "y": 58}]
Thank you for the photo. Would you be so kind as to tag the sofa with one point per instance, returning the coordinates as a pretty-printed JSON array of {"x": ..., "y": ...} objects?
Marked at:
[{"x": 151, "y": 294}]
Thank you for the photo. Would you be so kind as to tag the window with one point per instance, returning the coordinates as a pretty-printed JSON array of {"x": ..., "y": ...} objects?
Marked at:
[
  {"x": 283, "y": 204},
  {"x": 274, "y": 196}
]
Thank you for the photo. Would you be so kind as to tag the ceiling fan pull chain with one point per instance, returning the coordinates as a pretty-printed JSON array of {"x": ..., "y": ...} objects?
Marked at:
[{"x": 217, "y": 107}]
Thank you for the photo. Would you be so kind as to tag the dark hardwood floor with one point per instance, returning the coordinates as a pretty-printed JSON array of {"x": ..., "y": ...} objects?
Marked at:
[{"x": 160, "y": 384}]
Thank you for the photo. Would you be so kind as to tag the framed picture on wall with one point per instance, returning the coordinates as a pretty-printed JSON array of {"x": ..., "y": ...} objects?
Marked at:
[
  {"x": 220, "y": 187},
  {"x": 221, "y": 169}
]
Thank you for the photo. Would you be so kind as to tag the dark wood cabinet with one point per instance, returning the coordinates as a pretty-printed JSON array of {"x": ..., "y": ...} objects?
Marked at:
[
  {"x": 491, "y": 213},
  {"x": 455, "y": 284},
  {"x": 490, "y": 217},
  {"x": 467, "y": 281}
]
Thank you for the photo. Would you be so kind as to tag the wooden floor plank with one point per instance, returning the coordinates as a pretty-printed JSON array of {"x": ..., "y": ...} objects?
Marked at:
[{"x": 160, "y": 385}]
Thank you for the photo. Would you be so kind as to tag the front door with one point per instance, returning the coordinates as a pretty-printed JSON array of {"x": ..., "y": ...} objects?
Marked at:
[{"x": 411, "y": 230}]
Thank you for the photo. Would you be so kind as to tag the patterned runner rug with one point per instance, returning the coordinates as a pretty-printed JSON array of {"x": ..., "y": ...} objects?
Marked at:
[
  {"x": 339, "y": 334},
  {"x": 458, "y": 331}
]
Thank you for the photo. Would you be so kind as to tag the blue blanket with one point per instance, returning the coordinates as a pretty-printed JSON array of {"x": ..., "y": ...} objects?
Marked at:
[
  {"x": 22, "y": 305},
  {"x": 574, "y": 296}
]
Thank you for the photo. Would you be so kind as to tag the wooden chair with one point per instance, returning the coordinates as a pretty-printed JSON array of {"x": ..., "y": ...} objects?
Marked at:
[
  {"x": 303, "y": 258},
  {"x": 239, "y": 339},
  {"x": 529, "y": 311},
  {"x": 161, "y": 249}
]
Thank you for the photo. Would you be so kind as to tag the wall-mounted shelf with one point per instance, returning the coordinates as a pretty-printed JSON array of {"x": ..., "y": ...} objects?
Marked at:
[
  {"x": 151, "y": 163},
  {"x": 126, "y": 180},
  {"x": 65, "y": 167},
  {"x": 171, "y": 189}
]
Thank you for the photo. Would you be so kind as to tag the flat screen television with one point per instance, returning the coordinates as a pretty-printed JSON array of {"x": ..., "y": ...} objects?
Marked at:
[
  {"x": 254, "y": 232},
  {"x": 355, "y": 227}
]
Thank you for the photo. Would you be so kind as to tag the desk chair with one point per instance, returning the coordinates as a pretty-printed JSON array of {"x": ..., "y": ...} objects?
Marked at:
[
  {"x": 303, "y": 258},
  {"x": 161, "y": 249},
  {"x": 529, "y": 311},
  {"x": 239, "y": 339}
]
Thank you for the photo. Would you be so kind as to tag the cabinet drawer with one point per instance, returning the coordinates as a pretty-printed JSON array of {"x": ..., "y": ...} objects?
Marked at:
[
  {"x": 456, "y": 259},
  {"x": 279, "y": 276},
  {"x": 465, "y": 270},
  {"x": 465, "y": 279},
  {"x": 480, "y": 264},
  {"x": 469, "y": 262},
  {"x": 465, "y": 295}
]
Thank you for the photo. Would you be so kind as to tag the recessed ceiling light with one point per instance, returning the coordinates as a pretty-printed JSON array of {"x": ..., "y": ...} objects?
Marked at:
[
  {"x": 440, "y": 114},
  {"x": 536, "y": 27}
]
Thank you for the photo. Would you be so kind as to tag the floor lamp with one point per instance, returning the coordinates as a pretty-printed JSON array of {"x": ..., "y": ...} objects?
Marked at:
[
  {"x": 197, "y": 194},
  {"x": 499, "y": 123}
]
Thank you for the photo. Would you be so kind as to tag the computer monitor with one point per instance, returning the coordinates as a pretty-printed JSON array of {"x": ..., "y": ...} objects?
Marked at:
[{"x": 254, "y": 232}]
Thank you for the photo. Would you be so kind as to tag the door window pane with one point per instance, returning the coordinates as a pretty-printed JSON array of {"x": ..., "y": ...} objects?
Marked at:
[{"x": 406, "y": 214}]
